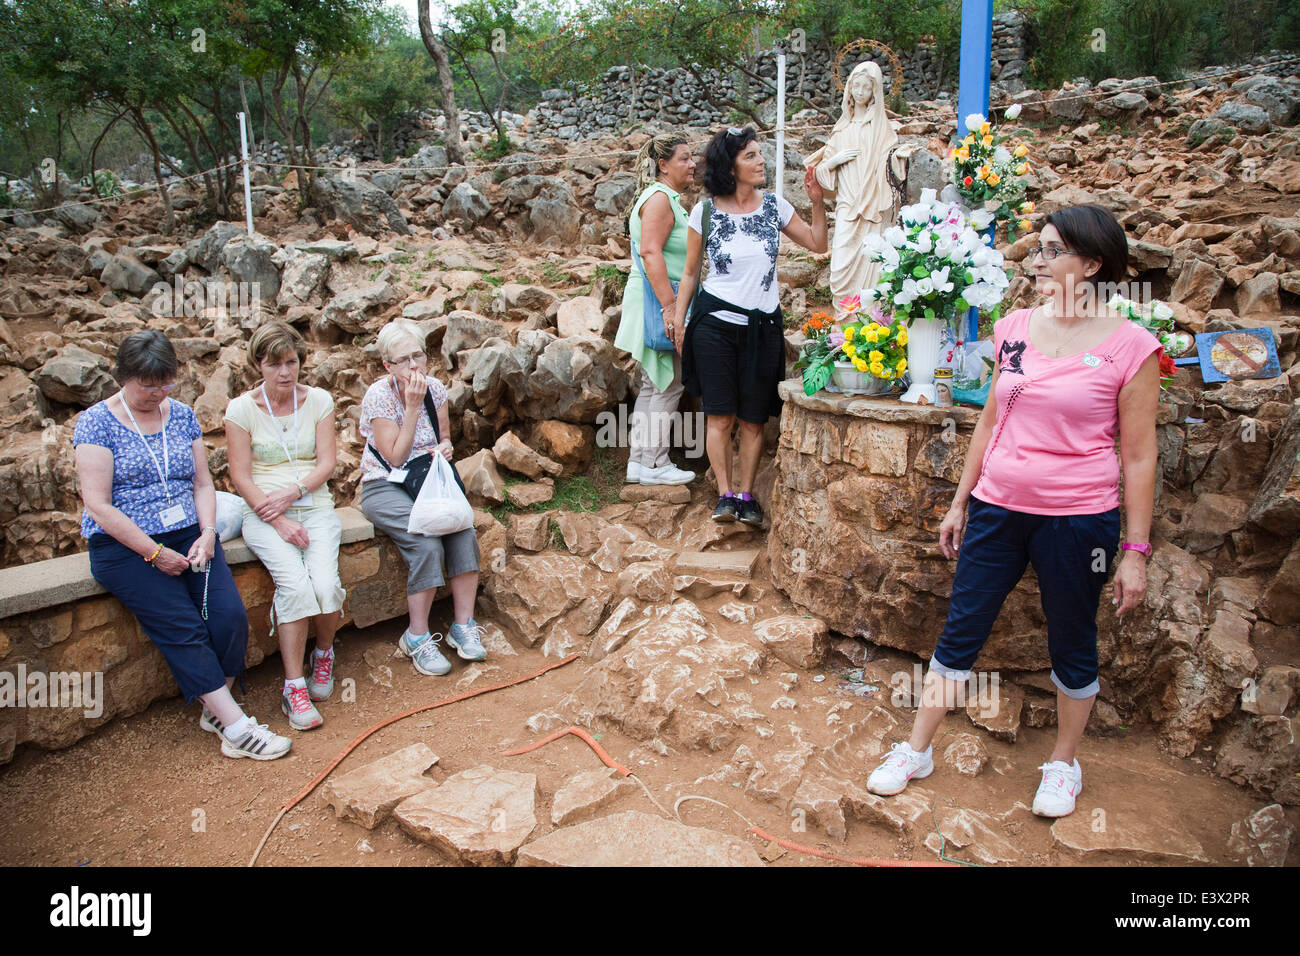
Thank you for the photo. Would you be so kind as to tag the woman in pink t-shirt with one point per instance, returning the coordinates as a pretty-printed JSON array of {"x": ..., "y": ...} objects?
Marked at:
[{"x": 1042, "y": 483}]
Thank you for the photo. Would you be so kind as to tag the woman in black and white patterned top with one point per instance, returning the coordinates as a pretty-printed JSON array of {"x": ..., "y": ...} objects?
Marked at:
[{"x": 733, "y": 349}]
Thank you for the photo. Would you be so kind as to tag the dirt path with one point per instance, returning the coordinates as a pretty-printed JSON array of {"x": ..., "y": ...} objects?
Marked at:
[{"x": 153, "y": 790}]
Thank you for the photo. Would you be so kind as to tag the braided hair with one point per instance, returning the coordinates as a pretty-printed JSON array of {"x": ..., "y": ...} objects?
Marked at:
[{"x": 658, "y": 148}]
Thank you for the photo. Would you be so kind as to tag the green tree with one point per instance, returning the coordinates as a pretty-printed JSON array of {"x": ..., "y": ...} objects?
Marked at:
[{"x": 393, "y": 77}]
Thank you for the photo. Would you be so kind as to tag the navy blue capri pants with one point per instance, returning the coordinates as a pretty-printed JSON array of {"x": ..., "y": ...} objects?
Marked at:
[
  {"x": 201, "y": 654},
  {"x": 1072, "y": 556}
]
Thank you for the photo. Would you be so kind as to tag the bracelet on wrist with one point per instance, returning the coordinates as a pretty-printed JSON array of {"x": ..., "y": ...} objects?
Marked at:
[
  {"x": 211, "y": 528},
  {"x": 154, "y": 556}
]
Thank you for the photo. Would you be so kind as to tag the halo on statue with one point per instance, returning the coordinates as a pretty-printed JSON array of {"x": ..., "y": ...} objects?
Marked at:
[{"x": 837, "y": 70}]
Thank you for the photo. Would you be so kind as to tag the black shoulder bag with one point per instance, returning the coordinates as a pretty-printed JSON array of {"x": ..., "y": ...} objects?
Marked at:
[{"x": 417, "y": 469}]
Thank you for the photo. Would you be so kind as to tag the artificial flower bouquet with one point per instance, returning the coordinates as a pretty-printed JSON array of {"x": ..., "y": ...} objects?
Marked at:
[
  {"x": 936, "y": 263},
  {"x": 1158, "y": 319},
  {"x": 988, "y": 175},
  {"x": 875, "y": 345}
]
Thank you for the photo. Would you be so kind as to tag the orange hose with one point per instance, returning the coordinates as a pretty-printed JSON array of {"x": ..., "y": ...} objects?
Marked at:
[
  {"x": 577, "y": 732},
  {"x": 856, "y": 860},
  {"x": 320, "y": 777},
  {"x": 757, "y": 831}
]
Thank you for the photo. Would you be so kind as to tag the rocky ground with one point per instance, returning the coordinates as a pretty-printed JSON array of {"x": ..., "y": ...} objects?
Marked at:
[
  {"x": 515, "y": 272},
  {"x": 724, "y": 693}
]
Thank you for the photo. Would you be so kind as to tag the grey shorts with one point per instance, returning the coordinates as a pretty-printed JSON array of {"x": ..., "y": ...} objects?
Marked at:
[{"x": 389, "y": 508}]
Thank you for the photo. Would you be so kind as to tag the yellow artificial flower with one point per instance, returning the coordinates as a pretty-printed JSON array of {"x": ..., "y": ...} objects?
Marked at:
[
  {"x": 984, "y": 129},
  {"x": 1022, "y": 169},
  {"x": 875, "y": 356},
  {"x": 984, "y": 171},
  {"x": 848, "y": 334},
  {"x": 969, "y": 140},
  {"x": 1026, "y": 225},
  {"x": 876, "y": 368},
  {"x": 1021, "y": 151},
  {"x": 860, "y": 365},
  {"x": 902, "y": 337},
  {"x": 993, "y": 179},
  {"x": 850, "y": 350},
  {"x": 962, "y": 153},
  {"x": 1027, "y": 206},
  {"x": 901, "y": 365},
  {"x": 988, "y": 140},
  {"x": 869, "y": 333}
]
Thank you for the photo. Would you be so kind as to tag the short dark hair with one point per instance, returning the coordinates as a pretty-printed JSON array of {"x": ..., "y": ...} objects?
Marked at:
[
  {"x": 720, "y": 159},
  {"x": 1095, "y": 233},
  {"x": 146, "y": 355}
]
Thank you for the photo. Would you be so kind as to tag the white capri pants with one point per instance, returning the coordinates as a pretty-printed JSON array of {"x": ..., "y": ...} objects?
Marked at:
[{"x": 306, "y": 582}]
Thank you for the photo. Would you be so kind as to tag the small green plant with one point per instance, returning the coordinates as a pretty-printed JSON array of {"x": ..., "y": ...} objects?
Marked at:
[
  {"x": 6, "y": 197},
  {"x": 613, "y": 277},
  {"x": 107, "y": 184},
  {"x": 498, "y": 148},
  {"x": 553, "y": 274},
  {"x": 494, "y": 281}
]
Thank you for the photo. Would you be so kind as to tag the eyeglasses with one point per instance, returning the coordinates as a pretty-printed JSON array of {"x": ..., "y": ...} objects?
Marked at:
[
  {"x": 155, "y": 388},
  {"x": 415, "y": 358},
  {"x": 1049, "y": 252}
]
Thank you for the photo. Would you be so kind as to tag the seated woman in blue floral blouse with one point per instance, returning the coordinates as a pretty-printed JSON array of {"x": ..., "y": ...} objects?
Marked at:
[{"x": 150, "y": 514}]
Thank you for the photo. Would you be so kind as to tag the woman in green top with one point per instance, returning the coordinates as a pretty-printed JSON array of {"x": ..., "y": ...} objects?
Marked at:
[{"x": 657, "y": 223}]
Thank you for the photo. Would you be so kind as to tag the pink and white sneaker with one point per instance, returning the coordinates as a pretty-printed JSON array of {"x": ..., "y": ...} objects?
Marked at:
[
  {"x": 902, "y": 764},
  {"x": 1060, "y": 786},
  {"x": 321, "y": 682},
  {"x": 297, "y": 706}
]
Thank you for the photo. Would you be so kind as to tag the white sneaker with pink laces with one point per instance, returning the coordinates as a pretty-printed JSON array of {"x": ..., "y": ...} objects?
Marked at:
[
  {"x": 1060, "y": 786},
  {"x": 321, "y": 682},
  {"x": 902, "y": 764},
  {"x": 297, "y": 706}
]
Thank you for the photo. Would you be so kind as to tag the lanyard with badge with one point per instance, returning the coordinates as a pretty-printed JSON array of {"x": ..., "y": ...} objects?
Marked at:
[
  {"x": 172, "y": 514},
  {"x": 306, "y": 500}
]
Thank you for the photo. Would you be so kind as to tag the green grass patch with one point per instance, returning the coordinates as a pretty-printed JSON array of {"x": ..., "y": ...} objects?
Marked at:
[
  {"x": 600, "y": 486},
  {"x": 614, "y": 277}
]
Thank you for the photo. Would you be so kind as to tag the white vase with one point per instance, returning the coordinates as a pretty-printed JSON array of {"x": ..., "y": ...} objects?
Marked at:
[{"x": 924, "y": 342}]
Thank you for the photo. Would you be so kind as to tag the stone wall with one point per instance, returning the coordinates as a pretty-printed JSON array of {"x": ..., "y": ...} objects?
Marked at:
[
  {"x": 706, "y": 98},
  {"x": 55, "y": 618},
  {"x": 864, "y": 484}
]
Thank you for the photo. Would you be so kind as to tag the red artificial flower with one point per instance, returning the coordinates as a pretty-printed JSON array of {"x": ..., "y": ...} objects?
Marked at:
[
  {"x": 967, "y": 181},
  {"x": 1167, "y": 366}
]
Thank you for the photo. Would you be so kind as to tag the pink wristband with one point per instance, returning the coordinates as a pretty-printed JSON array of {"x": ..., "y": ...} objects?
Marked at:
[{"x": 1144, "y": 549}]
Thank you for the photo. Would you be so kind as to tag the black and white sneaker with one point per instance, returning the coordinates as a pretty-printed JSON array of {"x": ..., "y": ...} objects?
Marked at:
[
  {"x": 257, "y": 742},
  {"x": 749, "y": 511},
  {"x": 725, "y": 509}
]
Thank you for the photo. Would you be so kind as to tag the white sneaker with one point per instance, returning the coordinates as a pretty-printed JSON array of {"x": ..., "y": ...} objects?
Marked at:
[
  {"x": 902, "y": 764},
  {"x": 424, "y": 653},
  {"x": 1060, "y": 785},
  {"x": 208, "y": 721},
  {"x": 297, "y": 706},
  {"x": 668, "y": 474},
  {"x": 633, "y": 472},
  {"x": 257, "y": 742}
]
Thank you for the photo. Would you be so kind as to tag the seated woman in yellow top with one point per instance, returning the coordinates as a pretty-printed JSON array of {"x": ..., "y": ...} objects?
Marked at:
[{"x": 282, "y": 449}]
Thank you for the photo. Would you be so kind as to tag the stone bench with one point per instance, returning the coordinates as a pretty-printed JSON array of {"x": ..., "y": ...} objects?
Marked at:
[{"x": 56, "y": 619}]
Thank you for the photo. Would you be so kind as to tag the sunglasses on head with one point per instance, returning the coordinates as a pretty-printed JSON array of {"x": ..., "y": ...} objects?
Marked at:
[{"x": 734, "y": 131}]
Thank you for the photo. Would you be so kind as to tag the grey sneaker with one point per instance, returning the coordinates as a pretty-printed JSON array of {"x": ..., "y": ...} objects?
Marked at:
[
  {"x": 209, "y": 721},
  {"x": 297, "y": 706},
  {"x": 257, "y": 742},
  {"x": 424, "y": 653},
  {"x": 467, "y": 639},
  {"x": 321, "y": 682}
]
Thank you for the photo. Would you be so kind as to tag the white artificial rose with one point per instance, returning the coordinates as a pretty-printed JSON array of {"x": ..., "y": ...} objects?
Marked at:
[
  {"x": 1161, "y": 311},
  {"x": 1013, "y": 111},
  {"x": 974, "y": 122}
]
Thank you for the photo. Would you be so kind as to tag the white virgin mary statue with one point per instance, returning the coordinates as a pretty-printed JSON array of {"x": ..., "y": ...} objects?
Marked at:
[{"x": 851, "y": 167}]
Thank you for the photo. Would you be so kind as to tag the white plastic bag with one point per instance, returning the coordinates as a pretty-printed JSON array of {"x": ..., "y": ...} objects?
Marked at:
[{"x": 441, "y": 507}]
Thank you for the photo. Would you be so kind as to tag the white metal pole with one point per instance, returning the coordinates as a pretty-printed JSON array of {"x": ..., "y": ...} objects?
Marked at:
[
  {"x": 780, "y": 124},
  {"x": 243, "y": 151}
]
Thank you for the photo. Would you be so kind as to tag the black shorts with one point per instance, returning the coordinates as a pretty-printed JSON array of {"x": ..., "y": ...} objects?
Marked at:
[{"x": 719, "y": 349}]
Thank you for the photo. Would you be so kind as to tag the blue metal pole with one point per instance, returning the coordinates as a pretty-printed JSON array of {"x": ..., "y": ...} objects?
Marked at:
[{"x": 973, "y": 86}]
